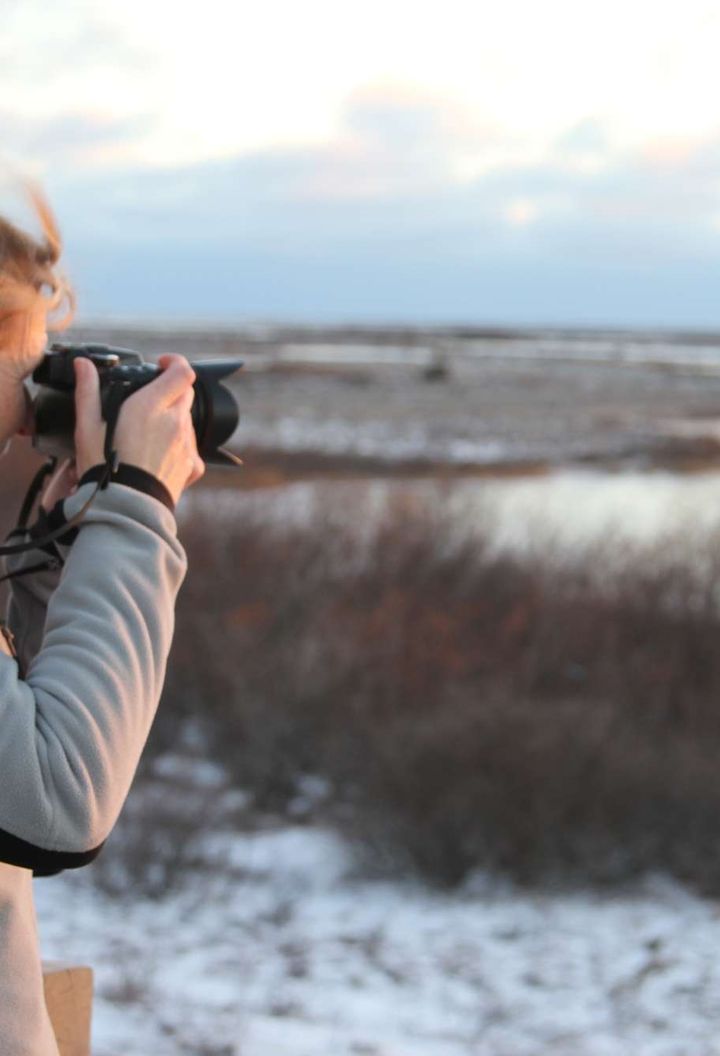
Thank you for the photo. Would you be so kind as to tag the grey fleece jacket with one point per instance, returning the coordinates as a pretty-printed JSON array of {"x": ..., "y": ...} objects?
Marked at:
[{"x": 76, "y": 707}]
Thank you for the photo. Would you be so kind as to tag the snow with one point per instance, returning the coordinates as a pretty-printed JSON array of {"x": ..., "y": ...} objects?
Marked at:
[
  {"x": 279, "y": 948},
  {"x": 569, "y": 508},
  {"x": 354, "y": 352},
  {"x": 388, "y": 441}
]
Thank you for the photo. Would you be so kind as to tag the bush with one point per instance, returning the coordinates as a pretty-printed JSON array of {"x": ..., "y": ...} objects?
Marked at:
[{"x": 535, "y": 715}]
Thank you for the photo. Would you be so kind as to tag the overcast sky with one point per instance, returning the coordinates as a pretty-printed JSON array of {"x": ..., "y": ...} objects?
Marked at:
[{"x": 474, "y": 162}]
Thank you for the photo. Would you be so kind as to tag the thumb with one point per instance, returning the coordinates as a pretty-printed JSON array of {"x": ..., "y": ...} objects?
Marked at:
[
  {"x": 87, "y": 388},
  {"x": 89, "y": 423}
]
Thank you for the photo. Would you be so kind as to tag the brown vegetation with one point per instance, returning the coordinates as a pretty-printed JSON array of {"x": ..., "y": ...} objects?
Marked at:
[{"x": 468, "y": 709}]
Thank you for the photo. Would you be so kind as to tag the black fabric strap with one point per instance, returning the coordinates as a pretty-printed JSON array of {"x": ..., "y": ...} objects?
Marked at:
[
  {"x": 52, "y": 562},
  {"x": 14, "y": 851},
  {"x": 48, "y": 521},
  {"x": 32, "y": 492},
  {"x": 133, "y": 477}
]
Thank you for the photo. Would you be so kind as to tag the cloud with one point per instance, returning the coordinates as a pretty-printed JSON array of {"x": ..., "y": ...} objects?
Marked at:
[
  {"x": 397, "y": 117},
  {"x": 35, "y": 45},
  {"x": 397, "y": 137},
  {"x": 309, "y": 196},
  {"x": 588, "y": 135},
  {"x": 360, "y": 224},
  {"x": 404, "y": 162},
  {"x": 71, "y": 138},
  {"x": 398, "y": 147}
]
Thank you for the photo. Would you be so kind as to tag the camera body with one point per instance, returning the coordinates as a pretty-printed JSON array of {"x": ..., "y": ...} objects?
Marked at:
[{"x": 122, "y": 372}]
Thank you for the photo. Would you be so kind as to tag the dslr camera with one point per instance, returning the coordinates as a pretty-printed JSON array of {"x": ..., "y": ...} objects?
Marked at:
[{"x": 214, "y": 412}]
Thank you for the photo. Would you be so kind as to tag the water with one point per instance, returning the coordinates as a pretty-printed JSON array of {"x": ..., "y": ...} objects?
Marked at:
[{"x": 564, "y": 510}]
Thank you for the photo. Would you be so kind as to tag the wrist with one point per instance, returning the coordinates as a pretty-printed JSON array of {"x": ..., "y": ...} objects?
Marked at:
[{"x": 132, "y": 476}]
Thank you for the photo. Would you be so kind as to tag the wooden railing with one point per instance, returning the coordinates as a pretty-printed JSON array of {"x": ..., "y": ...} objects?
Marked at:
[{"x": 68, "y": 996}]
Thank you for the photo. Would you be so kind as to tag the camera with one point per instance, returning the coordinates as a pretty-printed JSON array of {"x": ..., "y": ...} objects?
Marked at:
[{"x": 215, "y": 413}]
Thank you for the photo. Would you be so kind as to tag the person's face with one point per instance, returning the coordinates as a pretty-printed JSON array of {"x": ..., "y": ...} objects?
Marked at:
[{"x": 23, "y": 337}]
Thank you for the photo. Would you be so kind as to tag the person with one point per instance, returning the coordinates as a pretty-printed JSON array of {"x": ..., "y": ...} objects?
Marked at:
[{"x": 84, "y": 654}]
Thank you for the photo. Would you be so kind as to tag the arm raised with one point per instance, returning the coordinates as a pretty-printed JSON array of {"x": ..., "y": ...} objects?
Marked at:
[{"x": 71, "y": 733}]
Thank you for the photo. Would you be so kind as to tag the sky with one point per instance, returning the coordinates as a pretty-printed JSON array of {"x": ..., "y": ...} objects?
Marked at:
[{"x": 377, "y": 162}]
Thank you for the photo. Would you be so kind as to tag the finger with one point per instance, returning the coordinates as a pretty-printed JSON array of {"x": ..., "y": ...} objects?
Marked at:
[
  {"x": 191, "y": 440},
  {"x": 59, "y": 474},
  {"x": 90, "y": 429},
  {"x": 177, "y": 377},
  {"x": 59, "y": 485},
  {"x": 65, "y": 468},
  {"x": 184, "y": 401},
  {"x": 198, "y": 469},
  {"x": 195, "y": 461},
  {"x": 88, "y": 410}
]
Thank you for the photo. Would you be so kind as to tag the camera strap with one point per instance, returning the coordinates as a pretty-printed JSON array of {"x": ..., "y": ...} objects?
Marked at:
[
  {"x": 35, "y": 484},
  {"x": 55, "y": 562}
]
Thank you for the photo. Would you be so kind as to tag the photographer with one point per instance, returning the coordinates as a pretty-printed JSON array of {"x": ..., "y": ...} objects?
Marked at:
[{"x": 82, "y": 670}]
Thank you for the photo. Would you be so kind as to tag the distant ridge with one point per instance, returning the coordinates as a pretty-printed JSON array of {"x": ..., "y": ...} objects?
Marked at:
[{"x": 400, "y": 331}]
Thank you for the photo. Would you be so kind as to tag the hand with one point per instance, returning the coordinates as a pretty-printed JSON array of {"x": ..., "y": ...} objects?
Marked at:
[
  {"x": 62, "y": 483},
  {"x": 154, "y": 428}
]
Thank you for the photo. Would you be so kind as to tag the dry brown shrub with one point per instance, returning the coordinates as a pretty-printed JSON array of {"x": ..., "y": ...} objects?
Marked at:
[{"x": 470, "y": 709}]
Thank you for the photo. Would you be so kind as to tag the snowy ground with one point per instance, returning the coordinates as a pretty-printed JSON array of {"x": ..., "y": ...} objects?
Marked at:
[
  {"x": 279, "y": 948},
  {"x": 638, "y": 398}
]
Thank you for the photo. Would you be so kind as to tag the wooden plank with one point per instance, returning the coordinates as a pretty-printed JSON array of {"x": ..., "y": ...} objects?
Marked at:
[{"x": 68, "y": 996}]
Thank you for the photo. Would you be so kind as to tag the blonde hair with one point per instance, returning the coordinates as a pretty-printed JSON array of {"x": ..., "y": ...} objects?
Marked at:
[{"x": 28, "y": 272}]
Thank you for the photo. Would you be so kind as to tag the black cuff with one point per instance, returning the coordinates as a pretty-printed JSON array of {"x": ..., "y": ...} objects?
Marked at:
[
  {"x": 132, "y": 477},
  {"x": 24, "y": 855}
]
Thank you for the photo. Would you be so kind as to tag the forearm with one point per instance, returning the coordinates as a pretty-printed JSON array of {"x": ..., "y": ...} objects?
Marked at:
[{"x": 72, "y": 732}]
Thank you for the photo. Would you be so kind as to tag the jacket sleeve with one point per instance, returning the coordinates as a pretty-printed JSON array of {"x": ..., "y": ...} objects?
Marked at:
[
  {"x": 29, "y": 594},
  {"x": 72, "y": 731}
]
